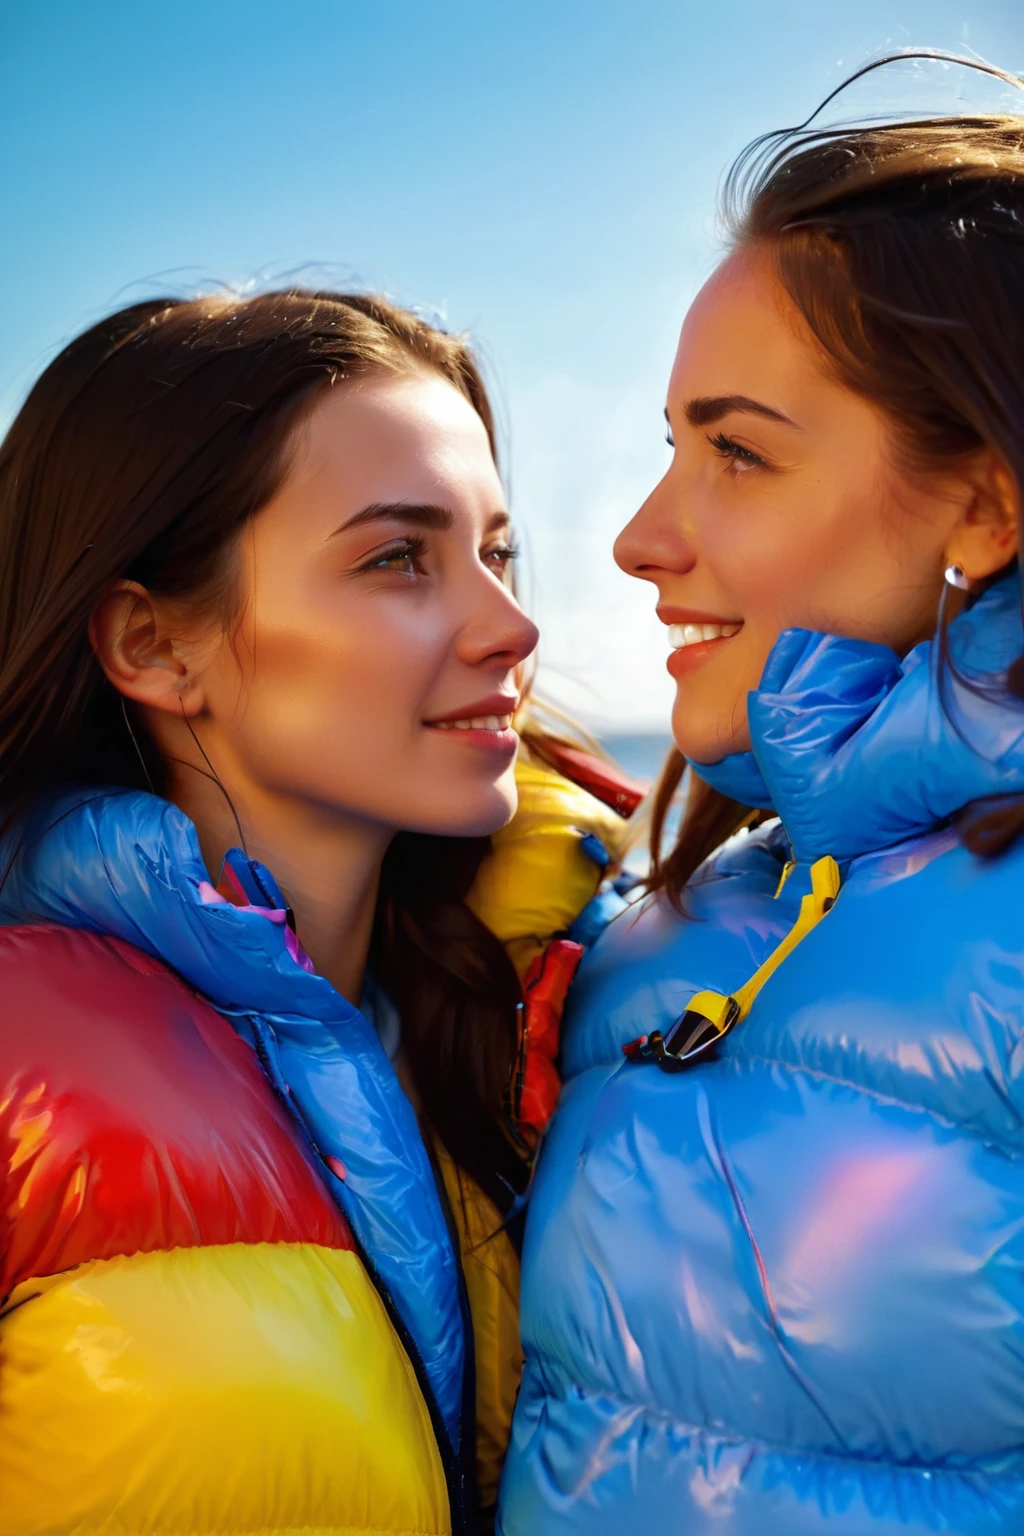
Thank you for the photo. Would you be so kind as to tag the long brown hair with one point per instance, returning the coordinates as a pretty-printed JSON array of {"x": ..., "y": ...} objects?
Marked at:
[
  {"x": 902, "y": 246},
  {"x": 140, "y": 452}
]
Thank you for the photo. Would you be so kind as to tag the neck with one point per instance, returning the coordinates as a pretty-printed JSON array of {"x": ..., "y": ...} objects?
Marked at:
[{"x": 327, "y": 865}]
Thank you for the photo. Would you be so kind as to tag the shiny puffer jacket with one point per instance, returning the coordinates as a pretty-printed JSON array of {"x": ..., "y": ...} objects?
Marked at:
[
  {"x": 230, "y": 1291},
  {"x": 782, "y": 1292}
]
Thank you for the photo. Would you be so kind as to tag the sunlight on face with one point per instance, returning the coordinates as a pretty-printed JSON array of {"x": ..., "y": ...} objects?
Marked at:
[
  {"x": 378, "y": 610},
  {"x": 782, "y": 507}
]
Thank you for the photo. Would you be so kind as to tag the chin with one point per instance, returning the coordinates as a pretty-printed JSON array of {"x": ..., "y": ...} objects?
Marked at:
[
  {"x": 477, "y": 815},
  {"x": 718, "y": 738}
]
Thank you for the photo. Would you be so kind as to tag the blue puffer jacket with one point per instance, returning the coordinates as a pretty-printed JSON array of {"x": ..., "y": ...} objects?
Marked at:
[{"x": 783, "y": 1292}]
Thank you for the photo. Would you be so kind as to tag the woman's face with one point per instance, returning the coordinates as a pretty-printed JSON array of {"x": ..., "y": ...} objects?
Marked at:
[
  {"x": 782, "y": 507},
  {"x": 373, "y": 670}
]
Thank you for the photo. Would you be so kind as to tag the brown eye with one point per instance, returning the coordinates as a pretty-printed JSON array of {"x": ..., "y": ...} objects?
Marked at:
[
  {"x": 405, "y": 557},
  {"x": 502, "y": 557},
  {"x": 742, "y": 458}
]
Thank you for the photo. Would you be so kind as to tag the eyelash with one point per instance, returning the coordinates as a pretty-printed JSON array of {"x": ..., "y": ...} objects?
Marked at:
[
  {"x": 738, "y": 456},
  {"x": 504, "y": 554},
  {"x": 412, "y": 551}
]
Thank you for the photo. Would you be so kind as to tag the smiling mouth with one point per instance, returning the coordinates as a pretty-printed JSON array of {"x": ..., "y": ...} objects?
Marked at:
[
  {"x": 682, "y": 636},
  {"x": 473, "y": 723}
]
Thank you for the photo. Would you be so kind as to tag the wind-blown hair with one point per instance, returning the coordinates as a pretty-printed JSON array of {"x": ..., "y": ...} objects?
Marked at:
[
  {"x": 140, "y": 453},
  {"x": 902, "y": 247}
]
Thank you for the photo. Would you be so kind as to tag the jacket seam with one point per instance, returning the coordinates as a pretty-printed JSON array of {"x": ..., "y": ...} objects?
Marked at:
[
  {"x": 771, "y": 1313},
  {"x": 995, "y": 1142},
  {"x": 761, "y": 1444},
  {"x": 44, "y": 1277}
]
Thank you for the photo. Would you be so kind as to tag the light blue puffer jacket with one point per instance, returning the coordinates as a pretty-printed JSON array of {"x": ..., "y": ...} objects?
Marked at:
[{"x": 783, "y": 1292}]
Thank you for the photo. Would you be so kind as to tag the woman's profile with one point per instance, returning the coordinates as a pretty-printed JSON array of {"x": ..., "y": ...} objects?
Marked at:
[
  {"x": 260, "y": 663},
  {"x": 774, "y": 1258}
]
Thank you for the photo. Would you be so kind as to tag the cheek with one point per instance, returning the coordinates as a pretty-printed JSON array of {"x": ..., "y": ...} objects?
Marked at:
[
  {"x": 804, "y": 553},
  {"x": 327, "y": 681},
  {"x": 868, "y": 567},
  {"x": 761, "y": 568},
  {"x": 321, "y": 697}
]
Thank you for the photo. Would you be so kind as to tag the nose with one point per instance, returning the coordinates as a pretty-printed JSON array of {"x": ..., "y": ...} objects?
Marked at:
[
  {"x": 656, "y": 540},
  {"x": 497, "y": 632}
]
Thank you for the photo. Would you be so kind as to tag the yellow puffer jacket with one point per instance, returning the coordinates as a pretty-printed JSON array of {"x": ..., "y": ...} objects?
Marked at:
[
  {"x": 190, "y": 1343},
  {"x": 538, "y": 879}
]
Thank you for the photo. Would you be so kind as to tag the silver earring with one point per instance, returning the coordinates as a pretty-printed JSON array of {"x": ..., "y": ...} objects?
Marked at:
[{"x": 956, "y": 578}]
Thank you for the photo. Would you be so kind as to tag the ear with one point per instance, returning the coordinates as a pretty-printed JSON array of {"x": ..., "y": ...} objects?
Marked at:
[
  {"x": 134, "y": 643},
  {"x": 987, "y": 535}
]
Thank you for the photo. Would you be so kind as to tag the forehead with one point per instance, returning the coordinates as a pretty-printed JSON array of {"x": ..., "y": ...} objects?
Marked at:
[
  {"x": 397, "y": 437},
  {"x": 743, "y": 336}
]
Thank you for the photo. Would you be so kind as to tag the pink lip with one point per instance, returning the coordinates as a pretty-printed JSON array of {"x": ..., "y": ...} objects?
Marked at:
[
  {"x": 670, "y": 615},
  {"x": 494, "y": 704},
  {"x": 502, "y": 744},
  {"x": 679, "y": 663}
]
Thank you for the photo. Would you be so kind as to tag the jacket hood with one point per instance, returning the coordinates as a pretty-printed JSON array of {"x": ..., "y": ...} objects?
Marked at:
[
  {"x": 857, "y": 750},
  {"x": 129, "y": 864}
]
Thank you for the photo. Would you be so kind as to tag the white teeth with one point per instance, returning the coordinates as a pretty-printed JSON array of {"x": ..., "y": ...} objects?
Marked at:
[
  {"x": 682, "y": 635},
  {"x": 476, "y": 723}
]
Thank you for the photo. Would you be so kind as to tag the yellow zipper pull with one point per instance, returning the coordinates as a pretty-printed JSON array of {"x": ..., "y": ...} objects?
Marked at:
[
  {"x": 710, "y": 1015},
  {"x": 825, "y": 884},
  {"x": 818, "y": 901}
]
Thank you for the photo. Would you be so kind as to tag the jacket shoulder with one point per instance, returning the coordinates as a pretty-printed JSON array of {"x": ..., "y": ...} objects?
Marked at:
[
  {"x": 74, "y": 983},
  {"x": 44, "y": 954},
  {"x": 119, "y": 1083}
]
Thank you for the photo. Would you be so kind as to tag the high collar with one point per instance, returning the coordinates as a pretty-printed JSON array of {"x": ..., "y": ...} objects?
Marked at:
[
  {"x": 857, "y": 750},
  {"x": 127, "y": 863}
]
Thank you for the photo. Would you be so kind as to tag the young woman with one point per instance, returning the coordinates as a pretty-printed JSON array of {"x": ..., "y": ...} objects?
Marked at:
[
  {"x": 259, "y": 664},
  {"x": 774, "y": 1263}
]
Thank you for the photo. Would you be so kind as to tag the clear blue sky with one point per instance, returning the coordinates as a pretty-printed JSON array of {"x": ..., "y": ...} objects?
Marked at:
[{"x": 543, "y": 173}]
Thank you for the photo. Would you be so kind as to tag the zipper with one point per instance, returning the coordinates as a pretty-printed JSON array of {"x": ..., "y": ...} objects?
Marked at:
[
  {"x": 451, "y": 1461},
  {"x": 467, "y": 1427}
]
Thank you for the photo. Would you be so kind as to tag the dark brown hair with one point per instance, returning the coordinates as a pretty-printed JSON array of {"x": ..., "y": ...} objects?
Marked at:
[
  {"x": 140, "y": 452},
  {"x": 902, "y": 246}
]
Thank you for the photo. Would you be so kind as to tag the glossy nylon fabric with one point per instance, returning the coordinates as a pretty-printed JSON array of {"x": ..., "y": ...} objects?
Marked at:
[
  {"x": 214, "y": 1390},
  {"x": 783, "y": 1292},
  {"x": 128, "y": 864}
]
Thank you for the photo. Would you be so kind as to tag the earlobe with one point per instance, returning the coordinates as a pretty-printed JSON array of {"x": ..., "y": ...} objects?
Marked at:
[
  {"x": 139, "y": 658},
  {"x": 987, "y": 537}
]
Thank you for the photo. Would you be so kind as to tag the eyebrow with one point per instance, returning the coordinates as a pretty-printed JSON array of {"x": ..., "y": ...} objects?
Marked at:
[
  {"x": 422, "y": 514},
  {"x": 705, "y": 410}
]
